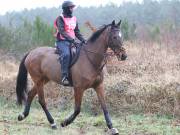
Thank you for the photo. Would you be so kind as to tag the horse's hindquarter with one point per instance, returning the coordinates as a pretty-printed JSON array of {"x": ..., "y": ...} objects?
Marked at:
[
  {"x": 43, "y": 62},
  {"x": 51, "y": 66}
]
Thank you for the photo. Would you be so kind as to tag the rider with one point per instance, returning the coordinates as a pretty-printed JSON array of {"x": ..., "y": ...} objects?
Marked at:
[{"x": 67, "y": 29}]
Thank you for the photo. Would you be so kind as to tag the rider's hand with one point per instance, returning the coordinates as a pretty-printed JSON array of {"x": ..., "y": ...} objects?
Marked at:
[
  {"x": 74, "y": 42},
  {"x": 84, "y": 42}
]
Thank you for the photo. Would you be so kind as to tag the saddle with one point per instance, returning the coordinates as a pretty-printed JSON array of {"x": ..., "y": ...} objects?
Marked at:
[{"x": 74, "y": 50}]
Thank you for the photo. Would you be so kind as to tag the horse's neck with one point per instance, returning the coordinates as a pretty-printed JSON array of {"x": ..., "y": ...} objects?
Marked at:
[
  {"x": 97, "y": 49},
  {"x": 100, "y": 45}
]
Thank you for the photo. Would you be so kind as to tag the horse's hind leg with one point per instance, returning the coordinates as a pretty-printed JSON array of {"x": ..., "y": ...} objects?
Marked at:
[
  {"x": 30, "y": 97},
  {"x": 78, "y": 93},
  {"x": 101, "y": 96},
  {"x": 43, "y": 105}
]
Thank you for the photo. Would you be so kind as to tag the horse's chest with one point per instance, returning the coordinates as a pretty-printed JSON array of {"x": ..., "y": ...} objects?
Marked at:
[{"x": 91, "y": 82}]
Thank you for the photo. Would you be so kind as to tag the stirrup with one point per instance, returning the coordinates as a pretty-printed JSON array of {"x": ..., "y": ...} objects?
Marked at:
[{"x": 65, "y": 81}]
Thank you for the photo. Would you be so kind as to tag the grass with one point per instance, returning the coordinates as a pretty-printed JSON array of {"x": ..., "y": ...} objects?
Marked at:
[{"x": 85, "y": 124}]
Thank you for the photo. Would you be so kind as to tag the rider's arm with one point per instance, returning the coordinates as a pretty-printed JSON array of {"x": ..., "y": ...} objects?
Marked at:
[
  {"x": 60, "y": 25},
  {"x": 78, "y": 34}
]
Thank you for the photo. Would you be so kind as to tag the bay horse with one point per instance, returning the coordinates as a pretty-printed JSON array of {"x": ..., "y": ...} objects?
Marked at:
[{"x": 43, "y": 66}]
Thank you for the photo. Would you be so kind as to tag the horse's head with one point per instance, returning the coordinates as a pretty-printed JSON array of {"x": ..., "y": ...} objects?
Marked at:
[{"x": 115, "y": 41}]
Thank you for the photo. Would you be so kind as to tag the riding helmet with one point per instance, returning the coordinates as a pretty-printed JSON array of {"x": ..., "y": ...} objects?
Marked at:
[{"x": 68, "y": 4}]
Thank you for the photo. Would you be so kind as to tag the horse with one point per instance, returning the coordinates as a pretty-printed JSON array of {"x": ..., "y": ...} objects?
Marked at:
[{"x": 42, "y": 65}]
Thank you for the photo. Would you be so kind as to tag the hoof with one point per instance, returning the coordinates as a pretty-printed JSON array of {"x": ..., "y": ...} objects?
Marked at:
[
  {"x": 63, "y": 124},
  {"x": 53, "y": 126},
  {"x": 21, "y": 117},
  {"x": 114, "y": 131}
]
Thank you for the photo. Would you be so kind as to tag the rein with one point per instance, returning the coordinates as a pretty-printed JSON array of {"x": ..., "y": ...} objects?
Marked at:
[{"x": 102, "y": 55}]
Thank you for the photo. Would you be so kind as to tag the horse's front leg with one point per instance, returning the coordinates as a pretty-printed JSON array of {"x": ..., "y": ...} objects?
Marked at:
[
  {"x": 101, "y": 96},
  {"x": 78, "y": 93}
]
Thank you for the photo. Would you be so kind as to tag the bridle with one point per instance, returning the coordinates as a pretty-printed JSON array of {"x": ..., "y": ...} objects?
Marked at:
[{"x": 112, "y": 46}]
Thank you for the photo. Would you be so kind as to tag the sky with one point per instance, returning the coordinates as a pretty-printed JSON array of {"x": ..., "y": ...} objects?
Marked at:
[{"x": 18, "y": 5}]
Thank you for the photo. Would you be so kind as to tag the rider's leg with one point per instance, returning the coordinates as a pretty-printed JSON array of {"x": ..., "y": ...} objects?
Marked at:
[{"x": 64, "y": 50}]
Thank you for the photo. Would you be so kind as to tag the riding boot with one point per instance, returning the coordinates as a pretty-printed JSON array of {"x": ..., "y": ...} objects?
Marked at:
[{"x": 65, "y": 71}]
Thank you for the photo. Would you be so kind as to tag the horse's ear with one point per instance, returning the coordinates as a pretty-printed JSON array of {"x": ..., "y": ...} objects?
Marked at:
[
  {"x": 119, "y": 23},
  {"x": 113, "y": 22}
]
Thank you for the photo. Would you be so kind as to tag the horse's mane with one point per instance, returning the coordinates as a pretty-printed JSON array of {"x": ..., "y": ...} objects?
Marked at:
[{"x": 96, "y": 34}]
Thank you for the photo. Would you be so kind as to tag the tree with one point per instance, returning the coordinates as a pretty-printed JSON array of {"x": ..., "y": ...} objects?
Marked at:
[
  {"x": 43, "y": 33},
  {"x": 125, "y": 29}
]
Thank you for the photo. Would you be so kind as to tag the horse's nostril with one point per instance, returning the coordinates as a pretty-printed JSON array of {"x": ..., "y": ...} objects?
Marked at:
[{"x": 123, "y": 57}]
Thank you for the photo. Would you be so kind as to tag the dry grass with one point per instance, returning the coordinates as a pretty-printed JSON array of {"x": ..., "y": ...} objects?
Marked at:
[
  {"x": 149, "y": 79},
  {"x": 148, "y": 82},
  {"x": 8, "y": 72}
]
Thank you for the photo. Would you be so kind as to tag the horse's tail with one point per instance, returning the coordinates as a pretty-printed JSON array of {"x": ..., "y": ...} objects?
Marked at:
[{"x": 21, "y": 83}]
